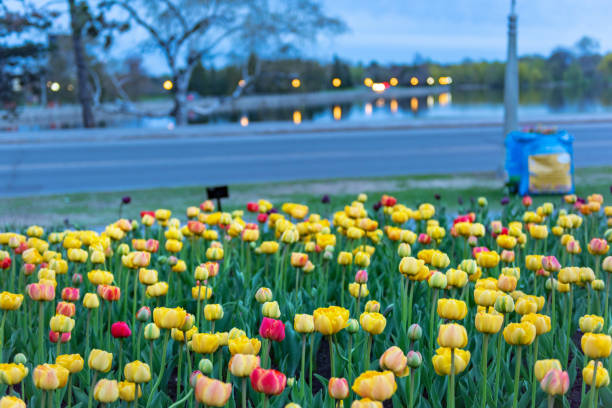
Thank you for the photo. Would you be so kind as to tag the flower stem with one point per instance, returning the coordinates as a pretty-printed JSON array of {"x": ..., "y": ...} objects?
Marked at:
[
  {"x": 91, "y": 385},
  {"x": 303, "y": 368},
  {"x": 368, "y": 352},
  {"x": 2, "y": 334},
  {"x": 594, "y": 384},
  {"x": 606, "y": 306},
  {"x": 244, "y": 392},
  {"x": 161, "y": 369},
  {"x": 411, "y": 393},
  {"x": 569, "y": 324},
  {"x": 69, "y": 404},
  {"x": 533, "y": 379},
  {"x": 431, "y": 321},
  {"x": 497, "y": 365},
  {"x": 41, "y": 324},
  {"x": 485, "y": 344},
  {"x": 451, "y": 398},
  {"x": 517, "y": 372}
]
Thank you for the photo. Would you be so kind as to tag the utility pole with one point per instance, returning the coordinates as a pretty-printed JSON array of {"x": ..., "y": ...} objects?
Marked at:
[{"x": 511, "y": 83}]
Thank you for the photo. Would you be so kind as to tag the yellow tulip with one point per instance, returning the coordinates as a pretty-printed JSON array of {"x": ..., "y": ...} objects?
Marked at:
[
  {"x": 244, "y": 345},
  {"x": 204, "y": 343},
  {"x": 520, "y": 334},
  {"x": 100, "y": 360},
  {"x": 379, "y": 386},
  {"x": 330, "y": 320},
  {"x": 541, "y": 322},
  {"x": 452, "y": 309},
  {"x": 489, "y": 323},
  {"x": 452, "y": 335},
  {"x": 166, "y": 318},
  {"x": 601, "y": 380},
  {"x": 373, "y": 323},
  {"x": 442, "y": 360},
  {"x": 542, "y": 367},
  {"x": 596, "y": 345}
]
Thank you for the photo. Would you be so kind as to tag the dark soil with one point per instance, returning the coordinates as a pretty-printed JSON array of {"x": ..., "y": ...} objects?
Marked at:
[
  {"x": 573, "y": 395},
  {"x": 322, "y": 366}
]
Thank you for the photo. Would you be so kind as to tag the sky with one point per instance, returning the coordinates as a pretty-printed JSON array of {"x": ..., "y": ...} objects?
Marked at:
[
  {"x": 446, "y": 31},
  {"x": 451, "y": 30}
]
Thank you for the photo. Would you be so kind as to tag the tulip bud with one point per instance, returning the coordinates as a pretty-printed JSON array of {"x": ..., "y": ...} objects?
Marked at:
[
  {"x": 415, "y": 359},
  {"x": 77, "y": 279},
  {"x": 213, "y": 312},
  {"x": 352, "y": 326},
  {"x": 151, "y": 331},
  {"x": 271, "y": 310},
  {"x": 361, "y": 276},
  {"x": 437, "y": 280},
  {"x": 20, "y": 358},
  {"x": 415, "y": 332},
  {"x": 205, "y": 366},
  {"x": 555, "y": 382},
  {"x": 504, "y": 304},
  {"x": 598, "y": 285},
  {"x": 143, "y": 314},
  {"x": 290, "y": 382},
  {"x": 263, "y": 295},
  {"x": 404, "y": 250},
  {"x": 338, "y": 388},
  {"x": 372, "y": 306}
]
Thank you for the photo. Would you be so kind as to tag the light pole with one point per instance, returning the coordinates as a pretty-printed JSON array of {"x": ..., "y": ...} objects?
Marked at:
[{"x": 511, "y": 83}]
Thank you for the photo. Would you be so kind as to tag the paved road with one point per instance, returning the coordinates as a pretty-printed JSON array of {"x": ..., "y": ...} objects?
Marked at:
[{"x": 62, "y": 167}]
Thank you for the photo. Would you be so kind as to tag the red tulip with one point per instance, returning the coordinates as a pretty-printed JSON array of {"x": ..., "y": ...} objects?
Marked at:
[
  {"x": 151, "y": 245},
  {"x": 120, "y": 330},
  {"x": 54, "y": 337},
  {"x": 70, "y": 294},
  {"x": 151, "y": 213},
  {"x": 65, "y": 308},
  {"x": 388, "y": 201},
  {"x": 212, "y": 267},
  {"x": 272, "y": 329},
  {"x": 28, "y": 269},
  {"x": 108, "y": 292},
  {"x": 21, "y": 248},
  {"x": 478, "y": 250},
  {"x": 5, "y": 263},
  {"x": 551, "y": 264},
  {"x": 196, "y": 227},
  {"x": 252, "y": 207},
  {"x": 40, "y": 292},
  {"x": 424, "y": 239},
  {"x": 269, "y": 382},
  {"x": 262, "y": 218},
  {"x": 527, "y": 201}
]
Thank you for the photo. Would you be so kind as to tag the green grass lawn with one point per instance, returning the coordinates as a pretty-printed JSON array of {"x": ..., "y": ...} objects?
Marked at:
[{"x": 97, "y": 209}]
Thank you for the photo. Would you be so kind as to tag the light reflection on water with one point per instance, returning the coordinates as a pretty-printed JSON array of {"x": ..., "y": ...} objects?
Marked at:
[{"x": 458, "y": 104}]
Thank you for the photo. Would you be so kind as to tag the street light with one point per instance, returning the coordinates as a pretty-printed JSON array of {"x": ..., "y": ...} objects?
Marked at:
[
  {"x": 336, "y": 82},
  {"x": 393, "y": 81},
  {"x": 55, "y": 87},
  {"x": 414, "y": 81},
  {"x": 368, "y": 82},
  {"x": 430, "y": 81},
  {"x": 511, "y": 81},
  {"x": 168, "y": 85},
  {"x": 296, "y": 83}
]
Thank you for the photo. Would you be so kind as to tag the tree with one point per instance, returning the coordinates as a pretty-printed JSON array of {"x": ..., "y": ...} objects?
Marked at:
[
  {"x": 21, "y": 65},
  {"x": 189, "y": 31}
]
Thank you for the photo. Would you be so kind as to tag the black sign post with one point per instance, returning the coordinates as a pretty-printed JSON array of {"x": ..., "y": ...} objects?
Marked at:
[{"x": 217, "y": 193}]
